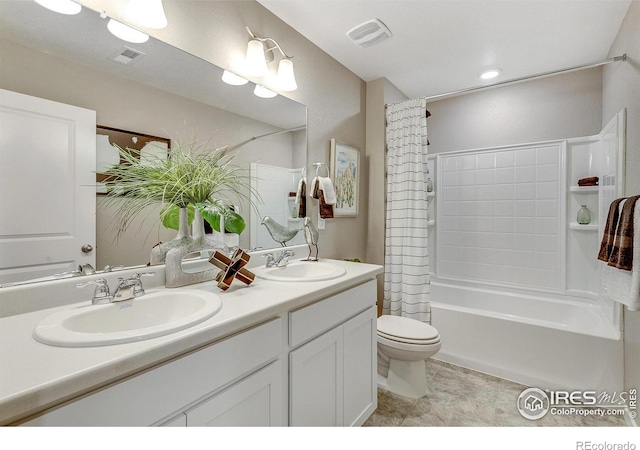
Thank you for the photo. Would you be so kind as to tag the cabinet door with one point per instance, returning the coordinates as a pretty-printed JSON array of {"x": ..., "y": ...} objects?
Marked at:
[
  {"x": 255, "y": 401},
  {"x": 316, "y": 390},
  {"x": 360, "y": 371}
]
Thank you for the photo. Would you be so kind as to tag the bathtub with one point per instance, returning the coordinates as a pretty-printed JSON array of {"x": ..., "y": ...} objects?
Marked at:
[{"x": 533, "y": 339}]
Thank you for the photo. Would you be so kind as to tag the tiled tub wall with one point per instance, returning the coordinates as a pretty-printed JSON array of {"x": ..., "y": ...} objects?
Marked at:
[{"x": 501, "y": 215}]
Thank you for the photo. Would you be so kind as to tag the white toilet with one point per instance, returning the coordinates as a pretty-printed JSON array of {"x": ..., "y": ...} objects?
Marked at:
[{"x": 403, "y": 346}]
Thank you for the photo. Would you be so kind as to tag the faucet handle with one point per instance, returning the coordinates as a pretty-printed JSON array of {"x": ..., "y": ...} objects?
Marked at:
[
  {"x": 101, "y": 291},
  {"x": 109, "y": 268},
  {"x": 271, "y": 261},
  {"x": 138, "y": 290},
  {"x": 137, "y": 276}
]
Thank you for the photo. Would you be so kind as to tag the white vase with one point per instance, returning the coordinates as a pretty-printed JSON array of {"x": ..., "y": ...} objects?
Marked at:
[
  {"x": 175, "y": 275},
  {"x": 182, "y": 239}
]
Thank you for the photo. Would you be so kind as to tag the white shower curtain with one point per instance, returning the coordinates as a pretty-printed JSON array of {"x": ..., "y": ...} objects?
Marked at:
[{"x": 406, "y": 261}]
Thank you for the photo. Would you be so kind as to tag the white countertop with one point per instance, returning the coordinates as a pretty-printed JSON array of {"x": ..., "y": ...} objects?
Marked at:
[{"x": 35, "y": 376}]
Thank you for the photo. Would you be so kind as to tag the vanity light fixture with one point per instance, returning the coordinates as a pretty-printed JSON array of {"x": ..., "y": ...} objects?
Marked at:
[
  {"x": 67, "y": 7},
  {"x": 255, "y": 62},
  {"x": 263, "y": 92},
  {"x": 258, "y": 50},
  {"x": 233, "y": 79},
  {"x": 491, "y": 73},
  {"x": 147, "y": 13},
  {"x": 126, "y": 33}
]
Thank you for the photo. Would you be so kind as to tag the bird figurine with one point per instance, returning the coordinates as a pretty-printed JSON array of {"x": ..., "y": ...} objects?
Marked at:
[
  {"x": 279, "y": 233},
  {"x": 311, "y": 235}
]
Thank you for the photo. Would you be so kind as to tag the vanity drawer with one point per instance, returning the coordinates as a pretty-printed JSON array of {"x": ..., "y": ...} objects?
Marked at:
[{"x": 315, "y": 319}]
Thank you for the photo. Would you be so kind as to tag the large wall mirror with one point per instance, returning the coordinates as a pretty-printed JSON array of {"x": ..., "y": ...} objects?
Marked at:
[{"x": 162, "y": 92}]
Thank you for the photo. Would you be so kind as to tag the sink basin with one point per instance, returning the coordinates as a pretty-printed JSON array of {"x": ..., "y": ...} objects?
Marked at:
[
  {"x": 300, "y": 271},
  {"x": 152, "y": 315}
]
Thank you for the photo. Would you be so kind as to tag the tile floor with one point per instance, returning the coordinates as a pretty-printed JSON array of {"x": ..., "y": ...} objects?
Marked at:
[{"x": 463, "y": 397}]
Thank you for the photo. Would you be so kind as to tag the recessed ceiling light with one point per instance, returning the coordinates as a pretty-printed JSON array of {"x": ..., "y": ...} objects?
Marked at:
[{"x": 490, "y": 73}]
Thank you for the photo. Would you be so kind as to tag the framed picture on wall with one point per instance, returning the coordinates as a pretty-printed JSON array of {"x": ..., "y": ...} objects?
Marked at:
[
  {"x": 345, "y": 173},
  {"x": 145, "y": 146}
]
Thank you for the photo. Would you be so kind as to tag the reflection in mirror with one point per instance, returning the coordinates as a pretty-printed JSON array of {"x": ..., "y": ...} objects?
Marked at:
[{"x": 151, "y": 88}]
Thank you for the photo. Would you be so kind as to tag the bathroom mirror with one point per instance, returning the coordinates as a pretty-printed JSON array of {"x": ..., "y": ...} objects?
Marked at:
[{"x": 151, "y": 88}]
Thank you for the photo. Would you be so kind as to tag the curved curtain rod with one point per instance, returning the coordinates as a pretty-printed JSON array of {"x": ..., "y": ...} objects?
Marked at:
[
  {"x": 528, "y": 77},
  {"x": 233, "y": 147}
]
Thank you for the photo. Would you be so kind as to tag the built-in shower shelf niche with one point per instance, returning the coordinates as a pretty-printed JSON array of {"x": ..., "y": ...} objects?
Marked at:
[
  {"x": 581, "y": 227},
  {"x": 584, "y": 189},
  {"x": 601, "y": 155}
]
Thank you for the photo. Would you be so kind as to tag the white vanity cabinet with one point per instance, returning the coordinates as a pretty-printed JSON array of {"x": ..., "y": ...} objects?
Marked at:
[
  {"x": 311, "y": 366},
  {"x": 332, "y": 367},
  {"x": 216, "y": 383}
]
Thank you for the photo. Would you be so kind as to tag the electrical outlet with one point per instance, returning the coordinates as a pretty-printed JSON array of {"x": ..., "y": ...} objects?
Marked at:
[{"x": 320, "y": 222}]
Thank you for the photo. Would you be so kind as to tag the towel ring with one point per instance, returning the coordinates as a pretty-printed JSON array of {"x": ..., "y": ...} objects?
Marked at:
[{"x": 318, "y": 165}]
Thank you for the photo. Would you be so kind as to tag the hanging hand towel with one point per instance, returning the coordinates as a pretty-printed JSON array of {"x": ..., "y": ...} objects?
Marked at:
[
  {"x": 621, "y": 254},
  {"x": 301, "y": 198},
  {"x": 329, "y": 192},
  {"x": 326, "y": 209},
  {"x": 609, "y": 236},
  {"x": 624, "y": 285}
]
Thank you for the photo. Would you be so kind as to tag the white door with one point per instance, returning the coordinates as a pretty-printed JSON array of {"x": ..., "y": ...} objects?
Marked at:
[
  {"x": 47, "y": 187},
  {"x": 255, "y": 401},
  {"x": 360, "y": 367},
  {"x": 316, "y": 376}
]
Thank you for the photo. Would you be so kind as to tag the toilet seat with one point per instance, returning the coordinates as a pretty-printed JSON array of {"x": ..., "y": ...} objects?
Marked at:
[{"x": 406, "y": 331}]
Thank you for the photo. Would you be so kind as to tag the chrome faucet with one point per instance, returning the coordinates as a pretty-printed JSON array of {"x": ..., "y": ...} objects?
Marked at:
[
  {"x": 126, "y": 289},
  {"x": 101, "y": 293},
  {"x": 281, "y": 260}
]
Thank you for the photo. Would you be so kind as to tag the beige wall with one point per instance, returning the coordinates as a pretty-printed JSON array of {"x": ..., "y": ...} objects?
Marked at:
[
  {"x": 379, "y": 93},
  {"x": 335, "y": 97},
  {"x": 621, "y": 89},
  {"x": 554, "y": 107}
]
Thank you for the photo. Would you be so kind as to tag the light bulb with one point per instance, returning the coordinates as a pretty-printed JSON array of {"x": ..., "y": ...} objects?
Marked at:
[
  {"x": 233, "y": 79},
  {"x": 285, "y": 79},
  {"x": 263, "y": 92},
  {"x": 61, "y": 6},
  {"x": 126, "y": 33},
  {"x": 147, "y": 13},
  {"x": 255, "y": 63}
]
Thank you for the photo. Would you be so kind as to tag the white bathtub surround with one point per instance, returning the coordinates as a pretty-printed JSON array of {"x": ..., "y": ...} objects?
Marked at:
[
  {"x": 535, "y": 339},
  {"x": 406, "y": 277},
  {"x": 624, "y": 285}
]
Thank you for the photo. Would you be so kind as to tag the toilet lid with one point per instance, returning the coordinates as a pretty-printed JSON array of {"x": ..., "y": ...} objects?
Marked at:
[{"x": 405, "y": 329}]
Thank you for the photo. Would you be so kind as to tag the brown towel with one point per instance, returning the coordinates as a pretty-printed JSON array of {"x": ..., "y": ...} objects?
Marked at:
[
  {"x": 589, "y": 181},
  {"x": 609, "y": 236},
  {"x": 302, "y": 206},
  {"x": 621, "y": 254},
  {"x": 326, "y": 210}
]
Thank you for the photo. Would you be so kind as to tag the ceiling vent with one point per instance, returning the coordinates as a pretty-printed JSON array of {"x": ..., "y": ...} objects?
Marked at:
[
  {"x": 369, "y": 33},
  {"x": 127, "y": 55}
]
